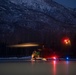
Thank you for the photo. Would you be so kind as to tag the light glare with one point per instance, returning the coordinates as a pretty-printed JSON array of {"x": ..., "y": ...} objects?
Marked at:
[{"x": 24, "y": 45}]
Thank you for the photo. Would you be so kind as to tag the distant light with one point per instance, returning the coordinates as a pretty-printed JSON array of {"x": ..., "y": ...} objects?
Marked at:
[
  {"x": 66, "y": 41},
  {"x": 67, "y": 58}
]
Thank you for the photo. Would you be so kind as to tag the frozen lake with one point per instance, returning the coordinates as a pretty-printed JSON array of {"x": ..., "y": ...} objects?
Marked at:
[{"x": 38, "y": 68}]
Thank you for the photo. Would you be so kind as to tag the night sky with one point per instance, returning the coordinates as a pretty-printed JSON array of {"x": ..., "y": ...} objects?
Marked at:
[{"x": 67, "y": 3}]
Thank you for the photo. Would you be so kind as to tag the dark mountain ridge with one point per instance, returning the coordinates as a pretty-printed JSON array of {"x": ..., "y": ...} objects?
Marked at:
[{"x": 40, "y": 21}]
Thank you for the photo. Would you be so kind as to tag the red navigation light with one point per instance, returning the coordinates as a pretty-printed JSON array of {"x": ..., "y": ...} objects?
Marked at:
[{"x": 54, "y": 57}]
